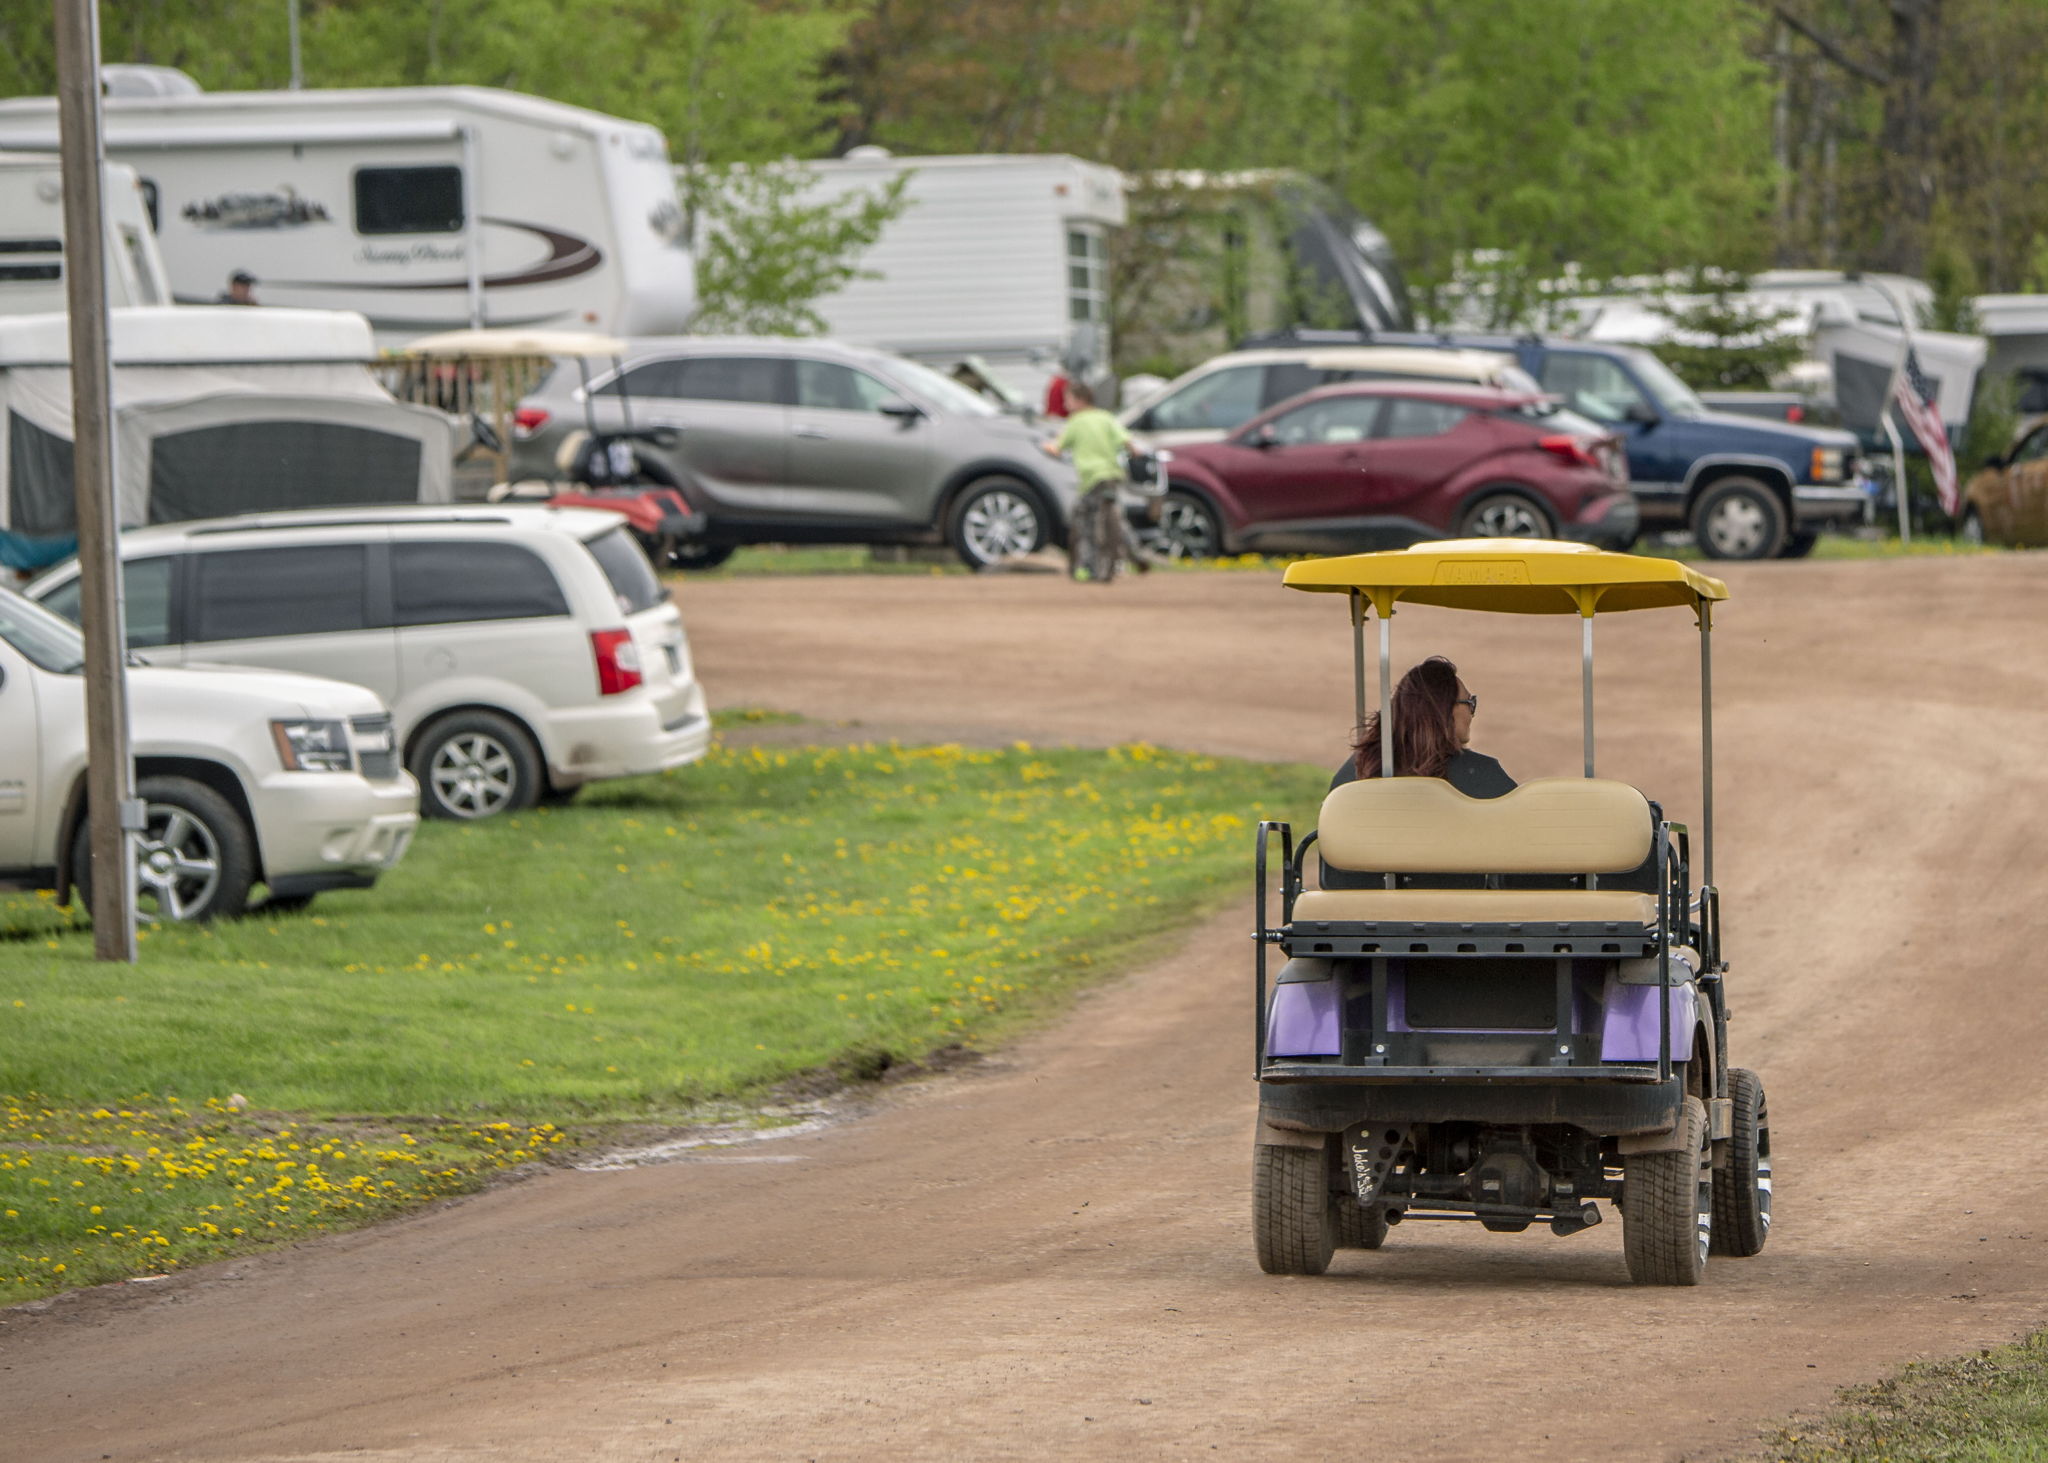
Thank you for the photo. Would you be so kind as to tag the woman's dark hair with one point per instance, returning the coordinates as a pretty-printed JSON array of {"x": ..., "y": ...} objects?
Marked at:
[{"x": 1425, "y": 724}]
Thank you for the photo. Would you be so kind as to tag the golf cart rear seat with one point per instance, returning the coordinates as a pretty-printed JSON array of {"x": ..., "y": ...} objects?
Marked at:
[{"x": 1423, "y": 825}]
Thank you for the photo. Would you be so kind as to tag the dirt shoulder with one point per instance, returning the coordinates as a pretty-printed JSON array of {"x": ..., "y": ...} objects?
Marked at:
[{"x": 1050, "y": 1255}]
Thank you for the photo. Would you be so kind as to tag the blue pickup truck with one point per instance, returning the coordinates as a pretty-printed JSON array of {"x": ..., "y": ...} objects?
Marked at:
[{"x": 1747, "y": 488}]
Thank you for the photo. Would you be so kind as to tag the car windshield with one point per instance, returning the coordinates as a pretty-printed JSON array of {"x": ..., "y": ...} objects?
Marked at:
[
  {"x": 50, "y": 642},
  {"x": 1673, "y": 395},
  {"x": 941, "y": 391},
  {"x": 1554, "y": 417}
]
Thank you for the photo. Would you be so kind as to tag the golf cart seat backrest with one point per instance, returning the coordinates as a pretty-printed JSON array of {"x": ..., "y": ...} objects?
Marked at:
[{"x": 1423, "y": 825}]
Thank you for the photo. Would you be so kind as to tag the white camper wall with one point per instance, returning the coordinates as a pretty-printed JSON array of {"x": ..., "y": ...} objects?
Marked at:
[
  {"x": 978, "y": 262},
  {"x": 32, "y": 239},
  {"x": 566, "y": 217}
]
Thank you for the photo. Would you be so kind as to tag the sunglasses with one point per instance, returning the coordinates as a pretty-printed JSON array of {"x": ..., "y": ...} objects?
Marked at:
[{"x": 1472, "y": 701}]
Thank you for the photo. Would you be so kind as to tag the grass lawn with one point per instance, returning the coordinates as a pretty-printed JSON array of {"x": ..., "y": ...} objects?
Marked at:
[
  {"x": 1990, "y": 1408},
  {"x": 523, "y": 985}
]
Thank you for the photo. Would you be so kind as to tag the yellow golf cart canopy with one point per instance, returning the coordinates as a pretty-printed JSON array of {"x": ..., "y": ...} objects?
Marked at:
[{"x": 1510, "y": 576}]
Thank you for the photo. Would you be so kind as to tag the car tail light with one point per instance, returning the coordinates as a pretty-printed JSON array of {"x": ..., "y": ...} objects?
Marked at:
[
  {"x": 1795, "y": 413},
  {"x": 618, "y": 661},
  {"x": 1579, "y": 450},
  {"x": 527, "y": 420}
]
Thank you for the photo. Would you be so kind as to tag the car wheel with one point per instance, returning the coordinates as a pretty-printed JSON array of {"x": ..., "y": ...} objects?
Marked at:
[
  {"x": 1506, "y": 515},
  {"x": 1187, "y": 528},
  {"x": 475, "y": 764},
  {"x": 1799, "y": 545},
  {"x": 995, "y": 519},
  {"x": 699, "y": 556},
  {"x": 1971, "y": 530},
  {"x": 195, "y": 859},
  {"x": 1739, "y": 518}
]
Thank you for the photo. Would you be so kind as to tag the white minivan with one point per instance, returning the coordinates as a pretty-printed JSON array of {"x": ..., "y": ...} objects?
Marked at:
[{"x": 524, "y": 650}]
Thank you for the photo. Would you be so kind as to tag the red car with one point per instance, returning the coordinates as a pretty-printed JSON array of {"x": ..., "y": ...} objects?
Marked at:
[{"x": 1379, "y": 465}]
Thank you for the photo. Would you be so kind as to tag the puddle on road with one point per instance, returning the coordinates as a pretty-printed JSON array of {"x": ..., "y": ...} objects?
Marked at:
[{"x": 713, "y": 1143}]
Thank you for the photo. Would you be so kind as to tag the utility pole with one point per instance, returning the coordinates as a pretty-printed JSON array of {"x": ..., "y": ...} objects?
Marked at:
[{"x": 110, "y": 778}]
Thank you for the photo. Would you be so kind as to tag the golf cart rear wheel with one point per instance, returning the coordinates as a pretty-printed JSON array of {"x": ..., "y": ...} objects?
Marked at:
[
  {"x": 1291, "y": 1218},
  {"x": 1742, "y": 1186},
  {"x": 1739, "y": 518},
  {"x": 1667, "y": 1215},
  {"x": 1358, "y": 1228}
]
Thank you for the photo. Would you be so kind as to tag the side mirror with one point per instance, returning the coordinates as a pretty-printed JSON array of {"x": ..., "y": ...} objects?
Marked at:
[
  {"x": 1643, "y": 413},
  {"x": 895, "y": 406},
  {"x": 1262, "y": 438}
]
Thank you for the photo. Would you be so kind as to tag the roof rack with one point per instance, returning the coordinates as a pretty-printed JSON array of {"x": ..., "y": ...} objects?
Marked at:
[{"x": 257, "y": 522}]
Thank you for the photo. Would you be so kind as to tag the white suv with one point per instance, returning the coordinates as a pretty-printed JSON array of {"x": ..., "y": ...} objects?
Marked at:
[
  {"x": 524, "y": 650},
  {"x": 289, "y": 781}
]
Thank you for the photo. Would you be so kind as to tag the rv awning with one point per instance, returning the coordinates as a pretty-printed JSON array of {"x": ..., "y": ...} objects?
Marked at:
[{"x": 492, "y": 344}]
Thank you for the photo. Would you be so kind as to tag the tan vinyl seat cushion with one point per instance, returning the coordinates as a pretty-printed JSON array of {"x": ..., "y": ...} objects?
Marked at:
[
  {"x": 1423, "y": 825},
  {"x": 1478, "y": 906}
]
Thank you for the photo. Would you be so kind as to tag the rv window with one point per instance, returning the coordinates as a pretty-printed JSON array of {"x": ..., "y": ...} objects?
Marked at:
[
  {"x": 145, "y": 593},
  {"x": 445, "y": 583},
  {"x": 19, "y": 266},
  {"x": 409, "y": 200},
  {"x": 255, "y": 594},
  {"x": 756, "y": 379}
]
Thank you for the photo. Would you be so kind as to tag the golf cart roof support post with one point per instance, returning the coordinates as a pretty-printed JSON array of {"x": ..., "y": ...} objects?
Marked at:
[
  {"x": 589, "y": 402},
  {"x": 1383, "y": 606},
  {"x": 1358, "y": 663},
  {"x": 1588, "y": 600},
  {"x": 625, "y": 396},
  {"x": 1705, "y": 613}
]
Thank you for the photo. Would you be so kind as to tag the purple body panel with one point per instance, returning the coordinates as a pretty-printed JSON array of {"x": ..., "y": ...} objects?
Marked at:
[
  {"x": 1629, "y": 1032},
  {"x": 1304, "y": 1020}
]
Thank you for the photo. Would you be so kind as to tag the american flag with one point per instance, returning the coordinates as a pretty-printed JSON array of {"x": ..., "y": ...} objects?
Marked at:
[{"x": 1916, "y": 405}]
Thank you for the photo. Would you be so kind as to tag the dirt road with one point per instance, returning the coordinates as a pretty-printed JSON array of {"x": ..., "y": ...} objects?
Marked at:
[{"x": 1051, "y": 1257}]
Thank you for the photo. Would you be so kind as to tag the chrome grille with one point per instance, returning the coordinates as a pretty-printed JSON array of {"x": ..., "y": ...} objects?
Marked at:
[{"x": 376, "y": 746}]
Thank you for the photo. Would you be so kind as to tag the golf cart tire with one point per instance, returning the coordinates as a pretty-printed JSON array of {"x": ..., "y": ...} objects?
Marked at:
[
  {"x": 1667, "y": 1206},
  {"x": 1742, "y": 1185},
  {"x": 1774, "y": 526},
  {"x": 1358, "y": 1228},
  {"x": 1291, "y": 1218},
  {"x": 698, "y": 555}
]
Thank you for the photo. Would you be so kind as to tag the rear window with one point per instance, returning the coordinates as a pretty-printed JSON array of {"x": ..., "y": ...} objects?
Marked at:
[
  {"x": 627, "y": 571},
  {"x": 443, "y": 583},
  {"x": 145, "y": 593},
  {"x": 755, "y": 379},
  {"x": 257, "y": 594}
]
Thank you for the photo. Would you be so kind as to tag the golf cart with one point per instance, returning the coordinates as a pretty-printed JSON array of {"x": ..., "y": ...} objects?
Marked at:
[
  {"x": 483, "y": 373},
  {"x": 1523, "y": 1010}
]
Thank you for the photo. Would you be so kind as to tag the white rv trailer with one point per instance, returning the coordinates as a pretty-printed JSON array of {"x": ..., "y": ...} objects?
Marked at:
[
  {"x": 32, "y": 238},
  {"x": 422, "y": 208},
  {"x": 1003, "y": 258}
]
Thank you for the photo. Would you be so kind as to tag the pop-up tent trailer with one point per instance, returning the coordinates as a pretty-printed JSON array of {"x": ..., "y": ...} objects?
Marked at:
[{"x": 216, "y": 411}]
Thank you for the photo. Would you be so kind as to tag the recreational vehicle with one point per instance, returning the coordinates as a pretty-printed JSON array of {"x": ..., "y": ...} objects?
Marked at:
[
  {"x": 422, "y": 208},
  {"x": 1001, "y": 258},
  {"x": 216, "y": 411},
  {"x": 32, "y": 238}
]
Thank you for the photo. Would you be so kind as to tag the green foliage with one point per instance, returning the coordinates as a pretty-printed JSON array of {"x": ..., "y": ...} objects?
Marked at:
[
  {"x": 766, "y": 250},
  {"x": 1745, "y": 347},
  {"x": 1994, "y": 419},
  {"x": 1992, "y": 1408}
]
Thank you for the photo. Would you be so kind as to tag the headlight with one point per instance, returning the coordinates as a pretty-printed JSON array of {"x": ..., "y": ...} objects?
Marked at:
[
  {"x": 1827, "y": 464},
  {"x": 313, "y": 746}
]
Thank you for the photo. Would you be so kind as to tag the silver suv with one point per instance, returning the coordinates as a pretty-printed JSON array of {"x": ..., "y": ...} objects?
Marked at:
[{"x": 810, "y": 441}]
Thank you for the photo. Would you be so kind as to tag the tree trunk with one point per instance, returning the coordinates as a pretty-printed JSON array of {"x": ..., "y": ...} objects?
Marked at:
[{"x": 1906, "y": 137}]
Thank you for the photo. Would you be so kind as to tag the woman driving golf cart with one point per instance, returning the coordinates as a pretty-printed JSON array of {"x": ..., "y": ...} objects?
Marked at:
[{"x": 1433, "y": 714}]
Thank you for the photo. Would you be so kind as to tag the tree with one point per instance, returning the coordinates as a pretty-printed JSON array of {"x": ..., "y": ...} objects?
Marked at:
[
  {"x": 1721, "y": 341},
  {"x": 766, "y": 253}
]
